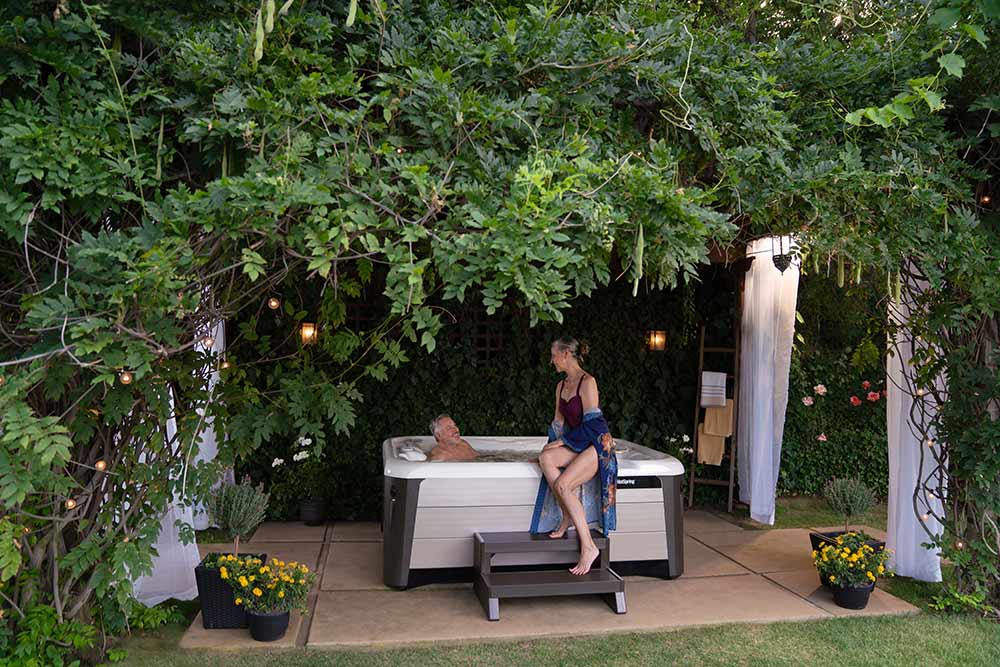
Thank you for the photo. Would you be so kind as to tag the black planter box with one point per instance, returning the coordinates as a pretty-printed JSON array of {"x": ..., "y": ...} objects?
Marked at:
[
  {"x": 312, "y": 511},
  {"x": 819, "y": 540},
  {"x": 218, "y": 604}
]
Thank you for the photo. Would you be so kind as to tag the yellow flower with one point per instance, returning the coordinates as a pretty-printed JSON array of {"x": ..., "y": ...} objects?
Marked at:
[
  {"x": 815, "y": 553},
  {"x": 881, "y": 569},
  {"x": 870, "y": 576},
  {"x": 302, "y": 581},
  {"x": 239, "y": 600},
  {"x": 832, "y": 578},
  {"x": 258, "y": 592},
  {"x": 223, "y": 573},
  {"x": 304, "y": 568},
  {"x": 293, "y": 564},
  {"x": 243, "y": 582},
  {"x": 281, "y": 594},
  {"x": 251, "y": 577}
]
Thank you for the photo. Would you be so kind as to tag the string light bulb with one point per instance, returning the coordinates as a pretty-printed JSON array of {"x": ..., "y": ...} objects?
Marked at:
[
  {"x": 985, "y": 200},
  {"x": 400, "y": 150},
  {"x": 101, "y": 465},
  {"x": 924, "y": 517},
  {"x": 2, "y": 380},
  {"x": 70, "y": 503},
  {"x": 224, "y": 365},
  {"x": 208, "y": 341},
  {"x": 959, "y": 544},
  {"x": 920, "y": 392},
  {"x": 273, "y": 303},
  {"x": 930, "y": 442},
  {"x": 125, "y": 377}
]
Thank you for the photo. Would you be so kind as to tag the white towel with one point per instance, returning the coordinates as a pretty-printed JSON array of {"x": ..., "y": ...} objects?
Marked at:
[{"x": 713, "y": 389}]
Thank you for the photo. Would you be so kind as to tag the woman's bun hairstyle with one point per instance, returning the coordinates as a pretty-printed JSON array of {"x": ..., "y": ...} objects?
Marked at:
[{"x": 574, "y": 347}]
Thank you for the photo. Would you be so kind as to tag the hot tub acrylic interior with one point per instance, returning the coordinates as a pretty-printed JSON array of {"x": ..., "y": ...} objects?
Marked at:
[{"x": 432, "y": 509}]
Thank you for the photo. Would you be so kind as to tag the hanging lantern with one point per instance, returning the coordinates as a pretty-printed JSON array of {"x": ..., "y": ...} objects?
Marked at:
[
  {"x": 656, "y": 340},
  {"x": 308, "y": 332},
  {"x": 273, "y": 303},
  {"x": 782, "y": 262}
]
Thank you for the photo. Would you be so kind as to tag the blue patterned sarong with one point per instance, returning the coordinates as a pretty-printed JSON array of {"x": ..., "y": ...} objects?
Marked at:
[{"x": 592, "y": 432}]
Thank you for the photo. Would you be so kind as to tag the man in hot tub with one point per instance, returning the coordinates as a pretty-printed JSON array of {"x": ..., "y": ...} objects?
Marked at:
[{"x": 450, "y": 446}]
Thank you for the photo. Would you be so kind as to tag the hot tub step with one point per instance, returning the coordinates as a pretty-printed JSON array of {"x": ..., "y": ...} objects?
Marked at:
[
  {"x": 522, "y": 542},
  {"x": 491, "y": 586}
]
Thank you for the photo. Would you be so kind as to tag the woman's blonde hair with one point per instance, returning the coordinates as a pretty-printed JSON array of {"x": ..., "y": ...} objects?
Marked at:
[{"x": 579, "y": 349}]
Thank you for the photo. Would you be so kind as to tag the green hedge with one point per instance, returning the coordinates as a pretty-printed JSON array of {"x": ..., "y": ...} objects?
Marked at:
[{"x": 647, "y": 396}]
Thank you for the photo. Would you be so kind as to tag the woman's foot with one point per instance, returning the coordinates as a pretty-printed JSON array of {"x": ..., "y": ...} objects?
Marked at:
[
  {"x": 561, "y": 530},
  {"x": 587, "y": 557}
]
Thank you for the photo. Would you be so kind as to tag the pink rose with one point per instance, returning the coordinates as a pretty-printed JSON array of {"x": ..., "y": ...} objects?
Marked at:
[
  {"x": 807, "y": 400},
  {"x": 873, "y": 396},
  {"x": 821, "y": 437},
  {"x": 820, "y": 390},
  {"x": 866, "y": 385},
  {"x": 855, "y": 401}
]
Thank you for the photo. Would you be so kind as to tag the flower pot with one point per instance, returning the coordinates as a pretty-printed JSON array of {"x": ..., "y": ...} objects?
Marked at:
[
  {"x": 268, "y": 626},
  {"x": 313, "y": 511},
  {"x": 818, "y": 540},
  {"x": 218, "y": 605},
  {"x": 853, "y": 597}
]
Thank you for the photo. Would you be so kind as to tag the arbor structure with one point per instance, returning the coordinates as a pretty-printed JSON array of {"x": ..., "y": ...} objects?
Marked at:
[{"x": 163, "y": 169}]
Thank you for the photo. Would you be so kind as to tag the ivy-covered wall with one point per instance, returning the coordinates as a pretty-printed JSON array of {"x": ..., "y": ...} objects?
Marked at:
[{"x": 648, "y": 396}]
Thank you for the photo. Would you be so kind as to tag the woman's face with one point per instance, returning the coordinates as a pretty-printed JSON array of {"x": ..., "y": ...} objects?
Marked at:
[{"x": 560, "y": 358}]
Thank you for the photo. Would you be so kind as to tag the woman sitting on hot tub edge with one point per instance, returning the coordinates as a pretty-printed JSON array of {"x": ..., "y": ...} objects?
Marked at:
[{"x": 580, "y": 447}]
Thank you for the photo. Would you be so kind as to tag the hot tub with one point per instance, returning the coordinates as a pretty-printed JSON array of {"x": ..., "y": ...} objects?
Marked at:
[{"x": 432, "y": 509}]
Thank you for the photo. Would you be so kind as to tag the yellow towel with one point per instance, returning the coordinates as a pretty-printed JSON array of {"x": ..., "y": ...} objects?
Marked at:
[
  {"x": 719, "y": 421},
  {"x": 710, "y": 447}
]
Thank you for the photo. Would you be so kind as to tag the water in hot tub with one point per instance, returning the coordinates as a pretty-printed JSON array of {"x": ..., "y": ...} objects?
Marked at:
[{"x": 509, "y": 455}]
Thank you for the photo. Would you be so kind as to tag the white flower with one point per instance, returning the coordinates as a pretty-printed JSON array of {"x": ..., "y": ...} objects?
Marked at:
[
  {"x": 687, "y": 450},
  {"x": 300, "y": 456},
  {"x": 685, "y": 438},
  {"x": 277, "y": 462}
]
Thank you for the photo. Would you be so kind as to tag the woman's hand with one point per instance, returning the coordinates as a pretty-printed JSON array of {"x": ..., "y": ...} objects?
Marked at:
[{"x": 553, "y": 445}]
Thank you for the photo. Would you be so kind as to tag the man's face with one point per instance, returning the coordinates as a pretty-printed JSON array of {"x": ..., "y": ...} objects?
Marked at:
[{"x": 447, "y": 429}]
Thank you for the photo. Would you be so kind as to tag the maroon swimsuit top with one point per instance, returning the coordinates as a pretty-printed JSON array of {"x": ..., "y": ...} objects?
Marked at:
[{"x": 572, "y": 410}]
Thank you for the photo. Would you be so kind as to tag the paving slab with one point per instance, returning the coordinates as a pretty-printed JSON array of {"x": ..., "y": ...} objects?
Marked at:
[
  {"x": 353, "y": 566},
  {"x": 703, "y": 561},
  {"x": 351, "y": 618},
  {"x": 877, "y": 533},
  {"x": 289, "y": 531},
  {"x": 764, "y": 550},
  {"x": 806, "y": 584},
  {"x": 197, "y": 637},
  {"x": 697, "y": 521},
  {"x": 356, "y": 531},
  {"x": 302, "y": 552}
]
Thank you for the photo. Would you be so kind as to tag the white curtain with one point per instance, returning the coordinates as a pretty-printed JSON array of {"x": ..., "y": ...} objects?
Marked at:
[
  {"x": 910, "y": 462},
  {"x": 173, "y": 567},
  {"x": 768, "y": 328}
]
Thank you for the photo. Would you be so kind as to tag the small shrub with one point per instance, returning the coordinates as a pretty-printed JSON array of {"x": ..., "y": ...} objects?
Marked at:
[
  {"x": 849, "y": 497},
  {"x": 238, "y": 509},
  {"x": 955, "y": 601}
]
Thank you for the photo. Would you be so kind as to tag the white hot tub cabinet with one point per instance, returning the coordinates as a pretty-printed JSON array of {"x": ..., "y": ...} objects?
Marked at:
[{"x": 432, "y": 509}]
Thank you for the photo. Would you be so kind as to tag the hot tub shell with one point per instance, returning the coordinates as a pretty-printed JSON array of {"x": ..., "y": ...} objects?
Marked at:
[{"x": 432, "y": 509}]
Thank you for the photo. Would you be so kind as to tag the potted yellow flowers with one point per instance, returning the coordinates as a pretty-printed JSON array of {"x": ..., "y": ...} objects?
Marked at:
[
  {"x": 851, "y": 565},
  {"x": 269, "y": 591}
]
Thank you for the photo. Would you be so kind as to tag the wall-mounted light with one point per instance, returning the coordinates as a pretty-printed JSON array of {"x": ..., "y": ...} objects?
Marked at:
[
  {"x": 656, "y": 340},
  {"x": 308, "y": 332}
]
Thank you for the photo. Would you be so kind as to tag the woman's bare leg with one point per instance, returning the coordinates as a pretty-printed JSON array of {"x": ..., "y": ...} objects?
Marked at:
[
  {"x": 550, "y": 461},
  {"x": 580, "y": 470}
]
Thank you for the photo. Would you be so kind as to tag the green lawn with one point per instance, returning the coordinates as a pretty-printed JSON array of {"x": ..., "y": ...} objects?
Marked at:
[
  {"x": 807, "y": 512},
  {"x": 905, "y": 641}
]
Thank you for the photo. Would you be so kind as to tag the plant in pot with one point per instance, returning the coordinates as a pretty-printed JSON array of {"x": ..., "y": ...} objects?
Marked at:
[
  {"x": 849, "y": 497},
  {"x": 309, "y": 473},
  {"x": 237, "y": 509},
  {"x": 851, "y": 566},
  {"x": 269, "y": 591}
]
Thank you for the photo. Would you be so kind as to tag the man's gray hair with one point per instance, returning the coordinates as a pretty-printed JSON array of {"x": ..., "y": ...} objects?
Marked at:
[{"x": 434, "y": 423}]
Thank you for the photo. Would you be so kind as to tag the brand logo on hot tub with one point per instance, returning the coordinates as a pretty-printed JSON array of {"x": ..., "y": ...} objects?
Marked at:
[{"x": 639, "y": 482}]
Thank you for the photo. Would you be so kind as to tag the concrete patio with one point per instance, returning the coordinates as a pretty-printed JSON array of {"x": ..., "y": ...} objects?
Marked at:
[{"x": 731, "y": 575}]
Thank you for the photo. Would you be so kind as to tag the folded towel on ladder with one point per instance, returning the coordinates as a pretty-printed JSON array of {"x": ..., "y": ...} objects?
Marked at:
[
  {"x": 713, "y": 389},
  {"x": 719, "y": 421},
  {"x": 710, "y": 447}
]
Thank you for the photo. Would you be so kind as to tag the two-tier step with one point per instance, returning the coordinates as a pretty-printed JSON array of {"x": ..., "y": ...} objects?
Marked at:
[{"x": 491, "y": 586}]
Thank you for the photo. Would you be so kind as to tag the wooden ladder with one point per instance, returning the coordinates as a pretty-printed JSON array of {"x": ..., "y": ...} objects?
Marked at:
[
  {"x": 490, "y": 586},
  {"x": 734, "y": 375}
]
